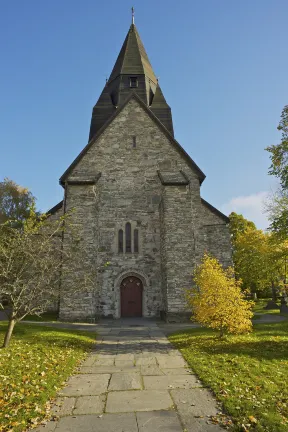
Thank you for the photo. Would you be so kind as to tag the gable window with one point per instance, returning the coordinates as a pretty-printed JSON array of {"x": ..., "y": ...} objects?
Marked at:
[
  {"x": 136, "y": 241},
  {"x": 133, "y": 82},
  {"x": 120, "y": 241},
  {"x": 128, "y": 237}
]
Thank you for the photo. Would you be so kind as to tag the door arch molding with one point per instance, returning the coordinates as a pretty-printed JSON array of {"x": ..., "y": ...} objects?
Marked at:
[
  {"x": 145, "y": 283},
  {"x": 131, "y": 292}
]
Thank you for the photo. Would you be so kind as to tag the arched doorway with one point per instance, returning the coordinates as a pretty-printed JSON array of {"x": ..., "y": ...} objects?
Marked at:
[{"x": 131, "y": 297}]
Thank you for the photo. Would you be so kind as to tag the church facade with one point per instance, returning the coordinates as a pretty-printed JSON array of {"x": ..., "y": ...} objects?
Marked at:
[{"x": 135, "y": 195}]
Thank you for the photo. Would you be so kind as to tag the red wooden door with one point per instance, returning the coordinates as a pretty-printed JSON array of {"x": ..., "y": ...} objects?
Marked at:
[{"x": 131, "y": 297}]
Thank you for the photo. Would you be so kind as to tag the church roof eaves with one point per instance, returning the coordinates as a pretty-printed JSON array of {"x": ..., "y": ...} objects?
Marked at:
[
  {"x": 215, "y": 210},
  {"x": 55, "y": 208},
  {"x": 190, "y": 161}
]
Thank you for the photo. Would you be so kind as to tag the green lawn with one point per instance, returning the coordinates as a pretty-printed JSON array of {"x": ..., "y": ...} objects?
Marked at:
[
  {"x": 33, "y": 368},
  {"x": 45, "y": 317},
  {"x": 247, "y": 373},
  {"x": 260, "y": 305}
]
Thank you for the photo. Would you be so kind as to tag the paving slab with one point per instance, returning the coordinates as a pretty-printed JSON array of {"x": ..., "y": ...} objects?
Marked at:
[
  {"x": 145, "y": 361},
  {"x": 195, "y": 408},
  {"x": 166, "y": 361},
  {"x": 108, "y": 369},
  {"x": 173, "y": 352},
  {"x": 63, "y": 406},
  {"x": 151, "y": 370},
  {"x": 170, "y": 382},
  {"x": 124, "y": 363},
  {"x": 125, "y": 357},
  {"x": 103, "y": 362},
  {"x": 125, "y": 381},
  {"x": 89, "y": 405},
  {"x": 48, "y": 427},
  {"x": 177, "y": 371},
  {"x": 106, "y": 356},
  {"x": 133, "y": 372},
  {"x": 86, "y": 385},
  {"x": 89, "y": 361},
  {"x": 93, "y": 423},
  {"x": 138, "y": 400},
  {"x": 165, "y": 421}
]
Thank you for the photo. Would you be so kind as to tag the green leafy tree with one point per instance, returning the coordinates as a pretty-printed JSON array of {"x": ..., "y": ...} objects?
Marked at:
[
  {"x": 216, "y": 299},
  {"x": 15, "y": 203},
  {"x": 238, "y": 224},
  {"x": 279, "y": 152},
  {"x": 278, "y": 206},
  {"x": 260, "y": 260},
  {"x": 259, "y": 257},
  {"x": 277, "y": 209}
]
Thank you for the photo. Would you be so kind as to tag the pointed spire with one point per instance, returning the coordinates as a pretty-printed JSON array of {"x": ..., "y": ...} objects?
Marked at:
[
  {"x": 132, "y": 72},
  {"x": 133, "y": 58}
]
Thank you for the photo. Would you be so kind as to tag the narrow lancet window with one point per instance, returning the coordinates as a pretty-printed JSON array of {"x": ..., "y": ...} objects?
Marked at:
[
  {"x": 133, "y": 82},
  {"x": 128, "y": 237},
  {"x": 136, "y": 241},
  {"x": 120, "y": 241}
]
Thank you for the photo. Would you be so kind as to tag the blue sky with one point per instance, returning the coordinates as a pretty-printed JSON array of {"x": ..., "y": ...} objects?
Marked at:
[{"x": 222, "y": 66}]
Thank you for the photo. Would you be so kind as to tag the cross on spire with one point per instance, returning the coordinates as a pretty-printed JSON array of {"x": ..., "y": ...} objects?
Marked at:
[{"x": 133, "y": 15}]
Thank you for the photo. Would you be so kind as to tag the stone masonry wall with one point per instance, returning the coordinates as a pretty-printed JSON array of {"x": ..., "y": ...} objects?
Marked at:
[
  {"x": 129, "y": 190},
  {"x": 79, "y": 275},
  {"x": 215, "y": 237},
  {"x": 179, "y": 246}
]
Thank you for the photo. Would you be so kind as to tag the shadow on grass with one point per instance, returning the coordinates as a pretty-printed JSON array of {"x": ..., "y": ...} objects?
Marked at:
[
  {"x": 268, "y": 341},
  {"x": 51, "y": 336}
]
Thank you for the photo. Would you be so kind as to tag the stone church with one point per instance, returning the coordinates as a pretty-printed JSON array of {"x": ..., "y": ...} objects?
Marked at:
[{"x": 135, "y": 195}]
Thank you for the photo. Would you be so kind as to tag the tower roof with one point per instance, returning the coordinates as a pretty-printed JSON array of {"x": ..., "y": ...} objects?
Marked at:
[
  {"x": 132, "y": 72},
  {"x": 133, "y": 59}
]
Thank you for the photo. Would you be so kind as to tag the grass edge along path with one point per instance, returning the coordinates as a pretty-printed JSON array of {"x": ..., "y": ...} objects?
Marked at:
[
  {"x": 33, "y": 368},
  {"x": 247, "y": 373}
]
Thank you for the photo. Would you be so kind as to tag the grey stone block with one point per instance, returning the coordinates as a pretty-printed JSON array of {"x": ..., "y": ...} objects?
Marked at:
[
  {"x": 177, "y": 371},
  {"x": 170, "y": 382},
  {"x": 124, "y": 363},
  {"x": 166, "y": 421},
  {"x": 146, "y": 361},
  {"x": 103, "y": 362},
  {"x": 92, "y": 423},
  {"x": 141, "y": 400},
  {"x": 169, "y": 362},
  {"x": 151, "y": 370},
  {"x": 125, "y": 357},
  {"x": 86, "y": 385},
  {"x": 48, "y": 427},
  {"x": 125, "y": 381},
  {"x": 63, "y": 406},
  {"x": 89, "y": 405},
  {"x": 195, "y": 407},
  {"x": 108, "y": 369}
]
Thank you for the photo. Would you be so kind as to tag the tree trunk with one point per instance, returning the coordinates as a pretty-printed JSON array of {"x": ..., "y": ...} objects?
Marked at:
[
  {"x": 274, "y": 294},
  {"x": 221, "y": 333},
  {"x": 9, "y": 332}
]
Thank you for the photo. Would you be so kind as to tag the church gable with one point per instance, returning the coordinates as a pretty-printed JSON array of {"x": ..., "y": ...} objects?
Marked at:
[
  {"x": 211, "y": 215},
  {"x": 135, "y": 195},
  {"x": 132, "y": 136}
]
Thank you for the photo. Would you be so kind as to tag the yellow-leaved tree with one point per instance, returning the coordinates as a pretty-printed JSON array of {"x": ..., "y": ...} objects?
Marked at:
[{"x": 216, "y": 299}]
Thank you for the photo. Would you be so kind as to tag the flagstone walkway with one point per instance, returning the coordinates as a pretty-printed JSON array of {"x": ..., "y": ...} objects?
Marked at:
[{"x": 134, "y": 381}]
